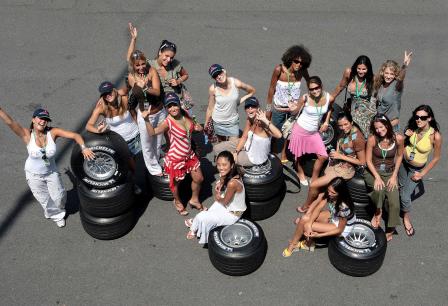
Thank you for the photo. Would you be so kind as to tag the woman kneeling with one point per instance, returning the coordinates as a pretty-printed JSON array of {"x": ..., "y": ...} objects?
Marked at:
[
  {"x": 229, "y": 201},
  {"x": 331, "y": 214}
]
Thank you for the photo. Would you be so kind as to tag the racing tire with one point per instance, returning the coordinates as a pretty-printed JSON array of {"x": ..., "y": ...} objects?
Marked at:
[
  {"x": 106, "y": 203},
  {"x": 264, "y": 181},
  {"x": 108, "y": 228},
  {"x": 110, "y": 166},
  {"x": 160, "y": 186},
  {"x": 361, "y": 252},
  {"x": 237, "y": 249},
  {"x": 358, "y": 189},
  {"x": 260, "y": 210}
]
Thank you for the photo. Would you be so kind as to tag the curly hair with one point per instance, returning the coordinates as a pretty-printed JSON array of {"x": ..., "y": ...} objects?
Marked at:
[
  {"x": 379, "y": 77},
  {"x": 297, "y": 51},
  {"x": 363, "y": 60}
]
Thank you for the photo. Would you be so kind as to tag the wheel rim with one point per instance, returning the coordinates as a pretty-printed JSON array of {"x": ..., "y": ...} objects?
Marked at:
[
  {"x": 328, "y": 135},
  {"x": 101, "y": 168},
  {"x": 236, "y": 235},
  {"x": 361, "y": 237}
]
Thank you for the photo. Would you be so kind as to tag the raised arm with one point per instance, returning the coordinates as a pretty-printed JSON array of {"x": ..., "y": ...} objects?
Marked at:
[
  {"x": 342, "y": 83},
  {"x": 267, "y": 125},
  {"x": 19, "y": 130},
  {"x": 132, "y": 43},
  {"x": 160, "y": 129},
  {"x": 97, "y": 111},
  {"x": 402, "y": 75},
  {"x": 246, "y": 87}
]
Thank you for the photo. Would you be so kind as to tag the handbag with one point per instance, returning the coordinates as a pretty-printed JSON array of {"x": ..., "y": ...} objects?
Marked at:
[
  {"x": 347, "y": 107},
  {"x": 186, "y": 99},
  {"x": 287, "y": 126},
  {"x": 209, "y": 131}
]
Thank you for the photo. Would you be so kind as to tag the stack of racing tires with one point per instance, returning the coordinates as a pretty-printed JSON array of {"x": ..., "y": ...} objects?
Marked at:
[
  {"x": 237, "y": 249},
  {"x": 265, "y": 188},
  {"x": 357, "y": 188},
  {"x": 160, "y": 185},
  {"x": 105, "y": 186}
]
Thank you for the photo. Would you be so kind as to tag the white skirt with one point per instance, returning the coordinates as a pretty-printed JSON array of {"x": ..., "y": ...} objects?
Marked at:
[{"x": 205, "y": 221}]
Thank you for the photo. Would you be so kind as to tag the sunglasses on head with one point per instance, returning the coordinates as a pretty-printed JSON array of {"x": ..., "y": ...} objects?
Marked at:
[
  {"x": 168, "y": 45},
  {"x": 297, "y": 61},
  {"x": 314, "y": 88},
  {"x": 422, "y": 118},
  {"x": 136, "y": 54}
]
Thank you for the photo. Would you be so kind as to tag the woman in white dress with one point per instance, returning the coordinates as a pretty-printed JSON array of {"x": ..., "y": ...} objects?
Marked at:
[{"x": 229, "y": 202}]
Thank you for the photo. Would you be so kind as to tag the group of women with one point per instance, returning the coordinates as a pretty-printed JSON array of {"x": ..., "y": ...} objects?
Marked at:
[{"x": 155, "y": 104}]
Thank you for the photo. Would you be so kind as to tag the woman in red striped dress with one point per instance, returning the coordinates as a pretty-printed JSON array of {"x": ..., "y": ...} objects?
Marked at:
[{"x": 180, "y": 158}]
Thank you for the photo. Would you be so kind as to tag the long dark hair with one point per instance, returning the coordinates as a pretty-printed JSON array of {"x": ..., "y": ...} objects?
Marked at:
[
  {"x": 233, "y": 170},
  {"x": 390, "y": 135},
  {"x": 167, "y": 45},
  {"x": 363, "y": 60},
  {"x": 412, "y": 124},
  {"x": 339, "y": 185}
]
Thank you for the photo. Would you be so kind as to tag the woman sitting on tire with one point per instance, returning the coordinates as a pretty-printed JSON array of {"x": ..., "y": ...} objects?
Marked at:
[
  {"x": 180, "y": 158},
  {"x": 331, "y": 214},
  {"x": 350, "y": 152},
  {"x": 143, "y": 84},
  {"x": 305, "y": 137},
  {"x": 229, "y": 202},
  {"x": 384, "y": 154},
  {"x": 223, "y": 102},
  {"x": 41, "y": 171},
  {"x": 255, "y": 144},
  {"x": 114, "y": 108},
  {"x": 422, "y": 138}
]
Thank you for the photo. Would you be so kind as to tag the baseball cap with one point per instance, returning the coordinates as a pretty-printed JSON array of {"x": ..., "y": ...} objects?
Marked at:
[
  {"x": 171, "y": 98},
  {"x": 251, "y": 101},
  {"x": 214, "y": 70},
  {"x": 42, "y": 114},
  {"x": 106, "y": 87}
]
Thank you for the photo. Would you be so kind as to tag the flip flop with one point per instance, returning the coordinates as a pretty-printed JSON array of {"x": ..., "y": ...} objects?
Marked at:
[
  {"x": 181, "y": 211},
  {"x": 284, "y": 161},
  {"x": 302, "y": 210},
  {"x": 410, "y": 231},
  {"x": 198, "y": 206}
]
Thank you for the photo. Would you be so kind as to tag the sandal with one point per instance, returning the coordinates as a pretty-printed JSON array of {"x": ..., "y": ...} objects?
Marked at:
[
  {"x": 190, "y": 235},
  {"x": 198, "y": 206},
  {"x": 188, "y": 222},
  {"x": 295, "y": 248},
  {"x": 309, "y": 246},
  {"x": 284, "y": 161},
  {"x": 410, "y": 231},
  {"x": 180, "y": 208}
]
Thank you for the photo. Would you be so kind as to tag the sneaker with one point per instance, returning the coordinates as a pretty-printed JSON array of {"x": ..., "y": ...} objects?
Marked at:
[{"x": 60, "y": 223}]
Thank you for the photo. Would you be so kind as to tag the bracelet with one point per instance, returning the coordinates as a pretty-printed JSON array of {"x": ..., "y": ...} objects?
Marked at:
[
  {"x": 83, "y": 147},
  {"x": 269, "y": 107}
]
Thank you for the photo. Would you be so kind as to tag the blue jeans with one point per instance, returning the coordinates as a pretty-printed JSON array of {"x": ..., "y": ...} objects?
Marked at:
[
  {"x": 406, "y": 184},
  {"x": 278, "y": 118}
]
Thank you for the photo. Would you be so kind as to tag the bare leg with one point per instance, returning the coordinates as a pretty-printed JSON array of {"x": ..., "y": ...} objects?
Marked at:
[
  {"x": 298, "y": 233},
  {"x": 318, "y": 166},
  {"x": 177, "y": 201},
  {"x": 300, "y": 174},
  {"x": 376, "y": 220},
  {"x": 407, "y": 224},
  {"x": 283, "y": 154},
  {"x": 313, "y": 191},
  {"x": 196, "y": 181}
]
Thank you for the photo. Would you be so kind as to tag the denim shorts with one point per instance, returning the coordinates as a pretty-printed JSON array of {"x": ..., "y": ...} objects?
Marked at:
[
  {"x": 278, "y": 118},
  {"x": 134, "y": 145}
]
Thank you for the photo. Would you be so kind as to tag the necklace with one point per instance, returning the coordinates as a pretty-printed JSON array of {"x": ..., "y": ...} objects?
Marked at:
[{"x": 358, "y": 91}]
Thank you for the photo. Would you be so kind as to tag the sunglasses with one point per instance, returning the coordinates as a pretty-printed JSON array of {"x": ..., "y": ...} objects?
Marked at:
[
  {"x": 422, "y": 118},
  {"x": 297, "y": 61},
  {"x": 314, "y": 88},
  {"x": 44, "y": 156},
  {"x": 168, "y": 45},
  {"x": 136, "y": 54}
]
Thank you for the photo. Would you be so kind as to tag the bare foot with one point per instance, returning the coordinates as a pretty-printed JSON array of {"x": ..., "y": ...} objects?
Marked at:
[{"x": 376, "y": 220}]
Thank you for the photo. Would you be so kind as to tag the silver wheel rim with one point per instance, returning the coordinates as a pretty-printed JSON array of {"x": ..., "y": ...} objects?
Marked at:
[
  {"x": 101, "y": 168},
  {"x": 328, "y": 135},
  {"x": 236, "y": 235},
  {"x": 361, "y": 237}
]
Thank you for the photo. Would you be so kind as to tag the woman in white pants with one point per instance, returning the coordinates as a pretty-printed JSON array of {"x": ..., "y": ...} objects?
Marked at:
[
  {"x": 229, "y": 204},
  {"x": 41, "y": 172}
]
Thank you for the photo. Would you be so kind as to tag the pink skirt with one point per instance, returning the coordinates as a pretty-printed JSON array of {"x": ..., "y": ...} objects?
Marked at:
[{"x": 303, "y": 142}]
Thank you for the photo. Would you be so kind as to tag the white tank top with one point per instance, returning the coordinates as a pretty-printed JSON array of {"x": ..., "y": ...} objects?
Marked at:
[
  {"x": 257, "y": 148},
  {"x": 226, "y": 106},
  {"x": 124, "y": 126},
  {"x": 285, "y": 92},
  {"x": 311, "y": 115},
  {"x": 238, "y": 202},
  {"x": 35, "y": 163}
]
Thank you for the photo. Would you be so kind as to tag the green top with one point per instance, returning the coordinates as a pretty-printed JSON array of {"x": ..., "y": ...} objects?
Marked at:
[{"x": 173, "y": 72}]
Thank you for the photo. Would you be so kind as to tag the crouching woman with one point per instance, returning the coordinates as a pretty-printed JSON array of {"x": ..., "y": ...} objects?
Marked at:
[{"x": 229, "y": 202}]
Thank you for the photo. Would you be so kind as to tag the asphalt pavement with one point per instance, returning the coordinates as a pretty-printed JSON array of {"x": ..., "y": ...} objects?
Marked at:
[{"x": 55, "y": 53}]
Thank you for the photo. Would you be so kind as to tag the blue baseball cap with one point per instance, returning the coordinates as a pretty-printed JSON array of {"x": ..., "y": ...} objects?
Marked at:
[
  {"x": 171, "y": 98},
  {"x": 106, "y": 87},
  {"x": 214, "y": 70},
  {"x": 42, "y": 114},
  {"x": 251, "y": 101}
]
